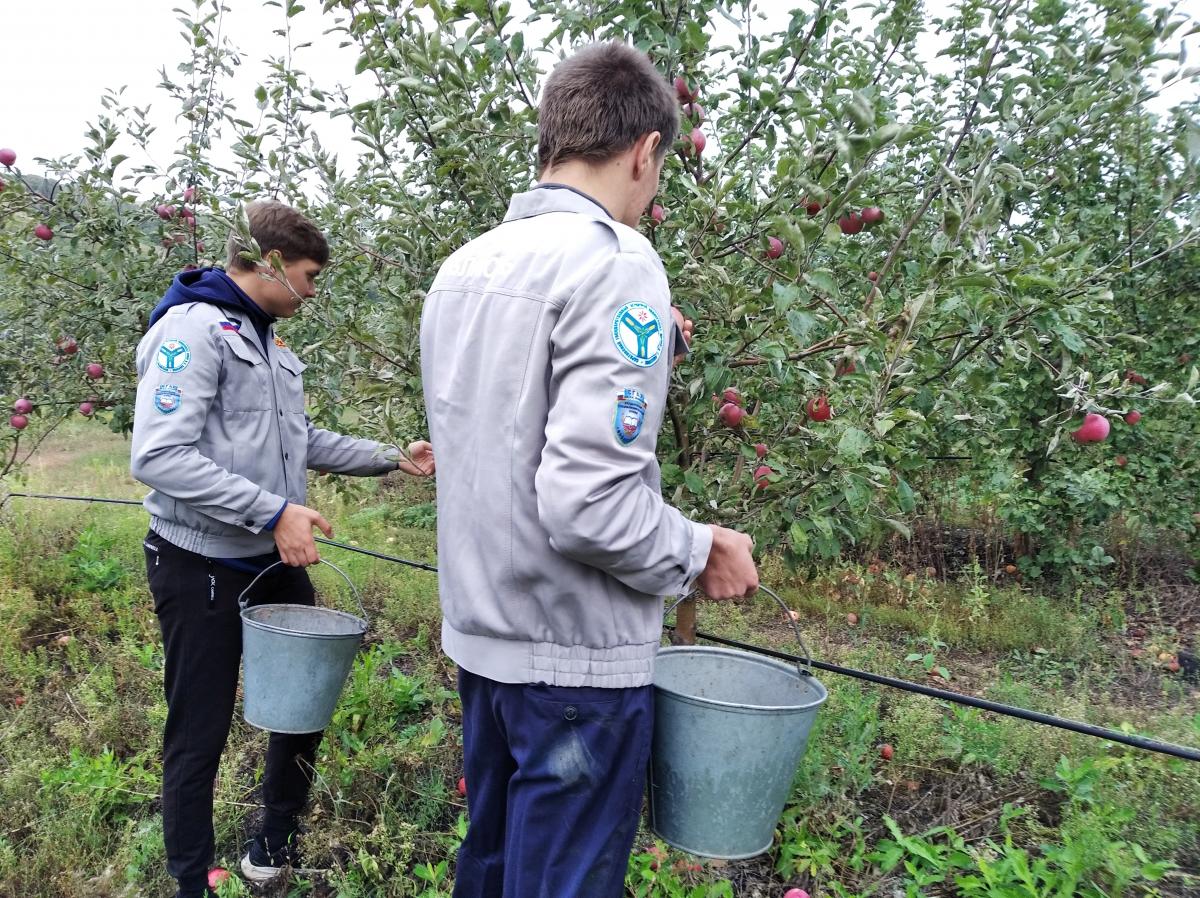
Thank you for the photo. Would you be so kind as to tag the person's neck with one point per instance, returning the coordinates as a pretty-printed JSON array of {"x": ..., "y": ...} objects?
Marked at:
[
  {"x": 248, "y": 282},
  {"x": 602, "y": 183}
]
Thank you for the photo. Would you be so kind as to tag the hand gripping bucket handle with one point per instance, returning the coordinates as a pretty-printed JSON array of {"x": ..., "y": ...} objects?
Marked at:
[
  {"x": 805, "y": 669},
  {"x": 296, "y": 658},
  {"x": 243, "y": 601}
]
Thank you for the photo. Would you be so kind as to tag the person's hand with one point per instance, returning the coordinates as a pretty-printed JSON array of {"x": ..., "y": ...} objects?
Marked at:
[
  {"x": 418, "y": 459},
  {"x": 730, "y": 572},
  {"x": 687, "y": 326},
  {"x": 294, "y": 537}
]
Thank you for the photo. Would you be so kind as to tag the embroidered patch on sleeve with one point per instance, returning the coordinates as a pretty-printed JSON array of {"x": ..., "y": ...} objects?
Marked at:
[
  {"x": 637, "y": 332},
  {"x": 630, "y": 414},
  {"x": 168, "y": 398},
  {"x": 279, "y": 342},
  {"x": 234, "y": 326},
  {"x": 173, "y": 356}
]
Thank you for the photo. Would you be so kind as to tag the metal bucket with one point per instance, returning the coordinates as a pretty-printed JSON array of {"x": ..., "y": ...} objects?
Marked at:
[
  {"x": 295, "y": 660},
  {"x": 730, "y": 730}
]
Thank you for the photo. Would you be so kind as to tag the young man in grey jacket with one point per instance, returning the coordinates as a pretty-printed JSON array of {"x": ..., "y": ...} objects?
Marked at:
[
  {"x": 221, "y": 437},
  {"x": 546, "y": 349}
]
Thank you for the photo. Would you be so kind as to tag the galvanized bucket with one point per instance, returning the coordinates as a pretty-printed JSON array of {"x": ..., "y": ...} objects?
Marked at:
[
  {"x": 730, "y": 730},
  {"x": 295, "y": 660}
]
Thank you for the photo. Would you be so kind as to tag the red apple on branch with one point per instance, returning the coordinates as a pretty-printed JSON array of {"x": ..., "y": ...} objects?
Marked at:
[
  {"x": 731, "y": 415},
  {"x": 851, "y": 224},
  {"x": 43, "y": 232},
  {"x": 1133, "y": 416},
  {"x": 22, "y": 406},
  {"x": 18, "y": 422},
  {"x": 761, "y": 473},
  {"x": 8, "y": 157},
  {"x": 818, "y": 409},
  {"x": 872, "y": 215},
  {"x": 95, "y": 370},
  {"x": 1093, "y": 430},
  {"x": 696, "y": 142},
  {"x": 774, "y": 247}
]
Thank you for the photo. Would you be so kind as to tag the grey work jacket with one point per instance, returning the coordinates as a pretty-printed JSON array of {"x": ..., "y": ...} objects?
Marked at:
[
  {"x": 546, "y": 356},
  {"x": 220, "y": 434}
]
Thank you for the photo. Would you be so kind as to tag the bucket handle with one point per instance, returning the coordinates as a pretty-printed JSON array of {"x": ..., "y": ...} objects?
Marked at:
[
  {"x": 242, "y": 601},
  {"x": 806, "y": 669}
]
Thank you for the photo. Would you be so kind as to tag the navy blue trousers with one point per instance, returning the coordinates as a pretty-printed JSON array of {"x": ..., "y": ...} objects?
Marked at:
[{"x": 555, "y": 777}]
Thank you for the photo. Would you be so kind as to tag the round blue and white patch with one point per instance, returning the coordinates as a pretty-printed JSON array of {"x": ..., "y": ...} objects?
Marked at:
[
  {"x": 637, "y": 331},
  {"x": 173, "y": 356},
  {"x": 168, "y": 398}
]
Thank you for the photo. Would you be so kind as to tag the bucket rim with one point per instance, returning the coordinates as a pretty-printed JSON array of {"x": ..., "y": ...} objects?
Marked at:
[
  {"x": 248, "y": 620},
  {"x": 821, "y": 697}
]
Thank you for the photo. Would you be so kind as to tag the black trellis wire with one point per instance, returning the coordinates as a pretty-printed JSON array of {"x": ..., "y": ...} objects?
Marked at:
[{"x": 958, "y": 698}]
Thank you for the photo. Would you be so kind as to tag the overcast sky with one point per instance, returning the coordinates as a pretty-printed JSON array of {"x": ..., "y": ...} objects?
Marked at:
[{"x": 59, "y": 55}]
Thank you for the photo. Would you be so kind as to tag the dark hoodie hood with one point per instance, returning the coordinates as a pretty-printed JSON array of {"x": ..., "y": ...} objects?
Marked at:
[{"x": 215, "y": 287}]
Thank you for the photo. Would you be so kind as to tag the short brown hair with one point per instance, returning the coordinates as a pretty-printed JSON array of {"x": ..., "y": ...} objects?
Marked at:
[
  {"x": 277, "y": 226},
  {"x": 598, "y": 102}
]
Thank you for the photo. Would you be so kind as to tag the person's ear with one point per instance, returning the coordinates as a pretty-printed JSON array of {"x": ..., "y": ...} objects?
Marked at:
[{"x": 646, "y": 156}]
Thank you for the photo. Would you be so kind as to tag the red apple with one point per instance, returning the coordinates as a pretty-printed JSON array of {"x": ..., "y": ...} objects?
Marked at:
[
  {"x": 682, "y": 90},
  {"x": 851, "y": 224},
  {"x": 22, "y": 406},
  {"x": 7, "y": 156},
  {"x": 216, "y": 876},
  {"x": 731, "y": 415},
  {"x": 43, "y": 232},
  {"x": 695, "y": 112},
  {"x": 872, "y": 276},
  {"x": 658, "y": 213},
  {"x": 1121, "y": 461},
  {"x": 774, "y": 247},
  {"x": 461, "y": 786},
  {"x": 760, "y": 449},
  {"x": 886, "y": 751},
  {"x": 795, "y": 893},
  {"x": 199, "y": 246},
  {"x": 67, "y": 345},
  {"x": 1093, "y": 430},
  {"x": 1173, "y": 667},
  {"x": 818, "y": 409},
  {"x": 852, "y": 619},
  {"x": 87, "y": 409},
  {"x": 872, "y": 215},
  {"x": 18, "y": 422},
  {"x": 95, "y": 370},
  {"x": 732, "y": 394},
  {"x": 696, "y": 141},
  {"x": 189, "y": 194},
  {"x": 164, "y": 211},
  {"x": 1134, "y": 378},
  {"x": 1133, "y": 416},
  {"x": 761, "y": 473},
  {"x": 812, "y": 207},
  {"x": 18, "y": 701},
  {"x": 844, "y": 367}
]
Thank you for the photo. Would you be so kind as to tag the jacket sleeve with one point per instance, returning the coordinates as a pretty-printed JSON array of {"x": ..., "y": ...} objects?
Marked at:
[
  {"x": 167, "y": 423},
  {"x": 598, "y": 492},
  {"x": 338, "y": 454}
]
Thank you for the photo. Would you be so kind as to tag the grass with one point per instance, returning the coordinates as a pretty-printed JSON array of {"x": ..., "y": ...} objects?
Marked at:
[{"x": 971, "y": 804}]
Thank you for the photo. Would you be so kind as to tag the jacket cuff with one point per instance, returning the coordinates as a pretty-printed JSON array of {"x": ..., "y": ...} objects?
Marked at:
[
  {"x": 270, "y": 525},
  {"x": 265, "y": 509},
  {"x": 702, "y": 538}
]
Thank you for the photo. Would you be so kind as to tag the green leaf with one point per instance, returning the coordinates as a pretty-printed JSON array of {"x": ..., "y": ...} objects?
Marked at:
[
  {"x": 800, "y": 323},
  {"x": 799, "y": 537},
  {"x": 899, "y": 526},
  {"x": 694, "y": 483},
  {"x": 823, "y": 281},
  {"x": 853, "y": 443}
]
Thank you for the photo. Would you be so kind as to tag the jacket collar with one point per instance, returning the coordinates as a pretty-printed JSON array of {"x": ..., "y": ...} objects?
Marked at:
[{"x": 550, "y": 197}]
